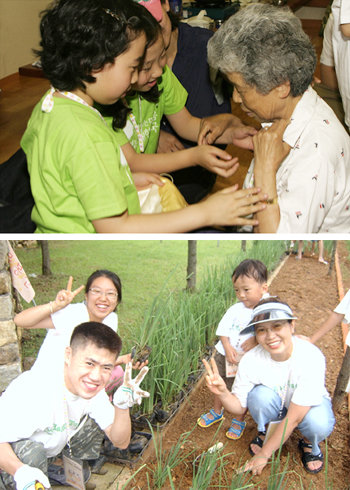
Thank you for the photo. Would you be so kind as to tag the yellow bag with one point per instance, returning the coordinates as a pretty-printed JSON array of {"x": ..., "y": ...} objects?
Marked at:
[{"x": 157, "y": 199}]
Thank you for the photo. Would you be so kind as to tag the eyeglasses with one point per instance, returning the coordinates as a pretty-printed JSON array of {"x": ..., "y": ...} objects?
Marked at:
[{"x": 112, "y": 295}]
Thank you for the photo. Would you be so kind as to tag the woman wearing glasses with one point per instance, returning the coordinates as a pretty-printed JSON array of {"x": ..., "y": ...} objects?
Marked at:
[{"x": 103, "y": 293}]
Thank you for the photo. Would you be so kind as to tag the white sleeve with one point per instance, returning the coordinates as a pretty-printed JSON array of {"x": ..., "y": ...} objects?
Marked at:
[
  {"x": 102, "y": 410},
  {"x": 69, "y": 317},
  {"x": 311, "y": 384},
  {"x": 20, "y": 409},
  {"x": 112, "y": 321},
  {"x": 345, "y": 12},
  {"x": 344, "y": 307},
  {"x": 226, "y": 322},
  {"x": 327, "y": 56}
]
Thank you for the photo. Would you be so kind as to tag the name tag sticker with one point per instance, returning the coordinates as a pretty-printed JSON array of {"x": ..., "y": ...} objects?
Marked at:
[{"x": 73, "y": 470}]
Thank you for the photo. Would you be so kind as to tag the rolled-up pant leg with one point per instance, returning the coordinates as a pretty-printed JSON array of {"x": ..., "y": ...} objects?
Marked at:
[
  {"x": 264, "y": 405},
  {"x": 318, "y": 424}
]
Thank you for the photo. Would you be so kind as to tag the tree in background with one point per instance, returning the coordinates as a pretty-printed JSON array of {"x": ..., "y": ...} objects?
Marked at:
[
  {"x": 45, "y": 258},
  {"x": 191, "y": 265}
]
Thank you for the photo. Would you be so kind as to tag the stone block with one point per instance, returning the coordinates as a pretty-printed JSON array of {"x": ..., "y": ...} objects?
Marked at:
[
  {"x": 6, "y": 307},
  {"x": 5, "y": 282},
  {"x": 3, "y": 253},
  {"x": 7, "y": 332},
  {"x": 9, "y": 353}
]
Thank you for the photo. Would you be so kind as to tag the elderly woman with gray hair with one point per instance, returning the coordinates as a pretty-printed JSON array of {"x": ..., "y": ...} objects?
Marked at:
[{"x": 302, "y": 153}]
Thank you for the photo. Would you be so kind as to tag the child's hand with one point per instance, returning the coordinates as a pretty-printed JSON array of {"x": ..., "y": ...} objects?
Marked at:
[
  {"x": 145, "y": 179},
  {"x": 215, "y": 160},
  {"x": 168, "y": 143},
  {"x": 236, "y": 132},
  {"x": 242, "y": 136},
  {"x": 249, "y": 344},
  {"x": 65, "y": 296},
  {"x": 231, "y": 355},
  {"x": 231, "y": 206},
  {"x": 214, "y": 381},
  {"x": 212, "y": 127}
]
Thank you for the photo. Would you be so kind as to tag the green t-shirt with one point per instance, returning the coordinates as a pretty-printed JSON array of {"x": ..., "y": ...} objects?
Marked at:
[
  {"x": 77, "y": 171},
  {"x": 148, "y": 115}
]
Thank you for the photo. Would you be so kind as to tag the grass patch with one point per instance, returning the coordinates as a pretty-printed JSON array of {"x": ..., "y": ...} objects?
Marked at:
[{"x": 143, "y": 266}]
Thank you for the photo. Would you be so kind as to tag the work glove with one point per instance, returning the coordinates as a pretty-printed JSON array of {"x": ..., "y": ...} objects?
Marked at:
[
  {"x": 26, "y": 477},
  {"x": 130, "y": 393}
]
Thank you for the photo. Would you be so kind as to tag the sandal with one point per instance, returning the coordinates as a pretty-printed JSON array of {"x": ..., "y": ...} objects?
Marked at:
[
  {"x": 258, "y": 441},
  {"x": 307, "y": 457},
  {"x": 234, "y": 433},
  {"x": 205, "y": 421}
]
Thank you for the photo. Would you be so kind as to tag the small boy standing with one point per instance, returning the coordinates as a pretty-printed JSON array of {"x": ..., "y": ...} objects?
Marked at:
[{"x": 249, "y": 281}]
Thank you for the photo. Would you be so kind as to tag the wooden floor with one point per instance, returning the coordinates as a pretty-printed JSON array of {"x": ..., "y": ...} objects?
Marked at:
[
  {"x": 20, "y": 93},
  {"x": 18, "y": 96}
]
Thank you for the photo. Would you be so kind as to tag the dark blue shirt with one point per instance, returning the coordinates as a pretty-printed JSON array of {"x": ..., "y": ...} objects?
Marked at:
[{"x": 191, "y": 68}]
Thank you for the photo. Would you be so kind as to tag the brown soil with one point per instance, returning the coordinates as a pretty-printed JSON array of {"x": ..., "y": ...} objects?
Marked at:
[{"x": 312, "y": 294}]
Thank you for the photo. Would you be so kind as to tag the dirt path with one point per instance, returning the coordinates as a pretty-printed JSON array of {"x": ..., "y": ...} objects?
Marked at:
[{"x": 312, "y": 294}]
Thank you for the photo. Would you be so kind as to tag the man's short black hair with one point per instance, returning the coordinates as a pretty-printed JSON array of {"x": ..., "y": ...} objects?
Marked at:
[{"x": 98, "y": 334}]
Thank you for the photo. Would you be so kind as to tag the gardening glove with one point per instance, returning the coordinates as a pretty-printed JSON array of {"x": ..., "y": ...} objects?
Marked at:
[
  {"x": 26, "y": 477},
  {"x": 130, "y": 393}
]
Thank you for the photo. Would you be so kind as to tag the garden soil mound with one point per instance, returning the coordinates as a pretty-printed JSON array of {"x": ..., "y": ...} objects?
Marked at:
[{"x": 306, "y": 286}]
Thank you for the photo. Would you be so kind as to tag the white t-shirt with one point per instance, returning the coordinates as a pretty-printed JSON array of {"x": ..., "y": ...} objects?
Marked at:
[
  {"x": 35, "y": 404},
  {"x": 341, "y": 49},
  {"x": 344, "y": 309},
  {"x": 302, "y": 376},
  {"x": 234, "y": 320},
  {"x": 232, "y": 323},
  {"x": 327, "y": 56},
  {"x": 58, "y": 338}
]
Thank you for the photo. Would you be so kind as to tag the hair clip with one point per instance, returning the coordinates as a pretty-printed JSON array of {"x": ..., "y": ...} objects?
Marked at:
[{"x": 109, "y": 12}]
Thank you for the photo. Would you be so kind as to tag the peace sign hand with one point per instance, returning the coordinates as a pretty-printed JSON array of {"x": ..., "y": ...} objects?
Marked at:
[
  {"x": 214, "y": 381},
  {"x": 66, "y": 296},
  {"x": 130, "y": 393}
]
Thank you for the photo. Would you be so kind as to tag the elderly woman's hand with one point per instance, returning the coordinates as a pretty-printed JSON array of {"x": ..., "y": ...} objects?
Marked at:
[{"x": 269, "y": 148}]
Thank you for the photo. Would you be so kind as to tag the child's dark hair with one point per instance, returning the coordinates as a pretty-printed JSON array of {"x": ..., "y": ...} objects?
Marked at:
[
  {"x": 82, "y": 36},
  {"x": 110, "y": 275},
  {"x": 152, "y": 30},
  {"x": 251, "y": 268},
  {"x": 98, "y": 334}
]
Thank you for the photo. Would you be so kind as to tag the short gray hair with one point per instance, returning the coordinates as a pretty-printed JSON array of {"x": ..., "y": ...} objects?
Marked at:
[{"x": 267, "y": 46}]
